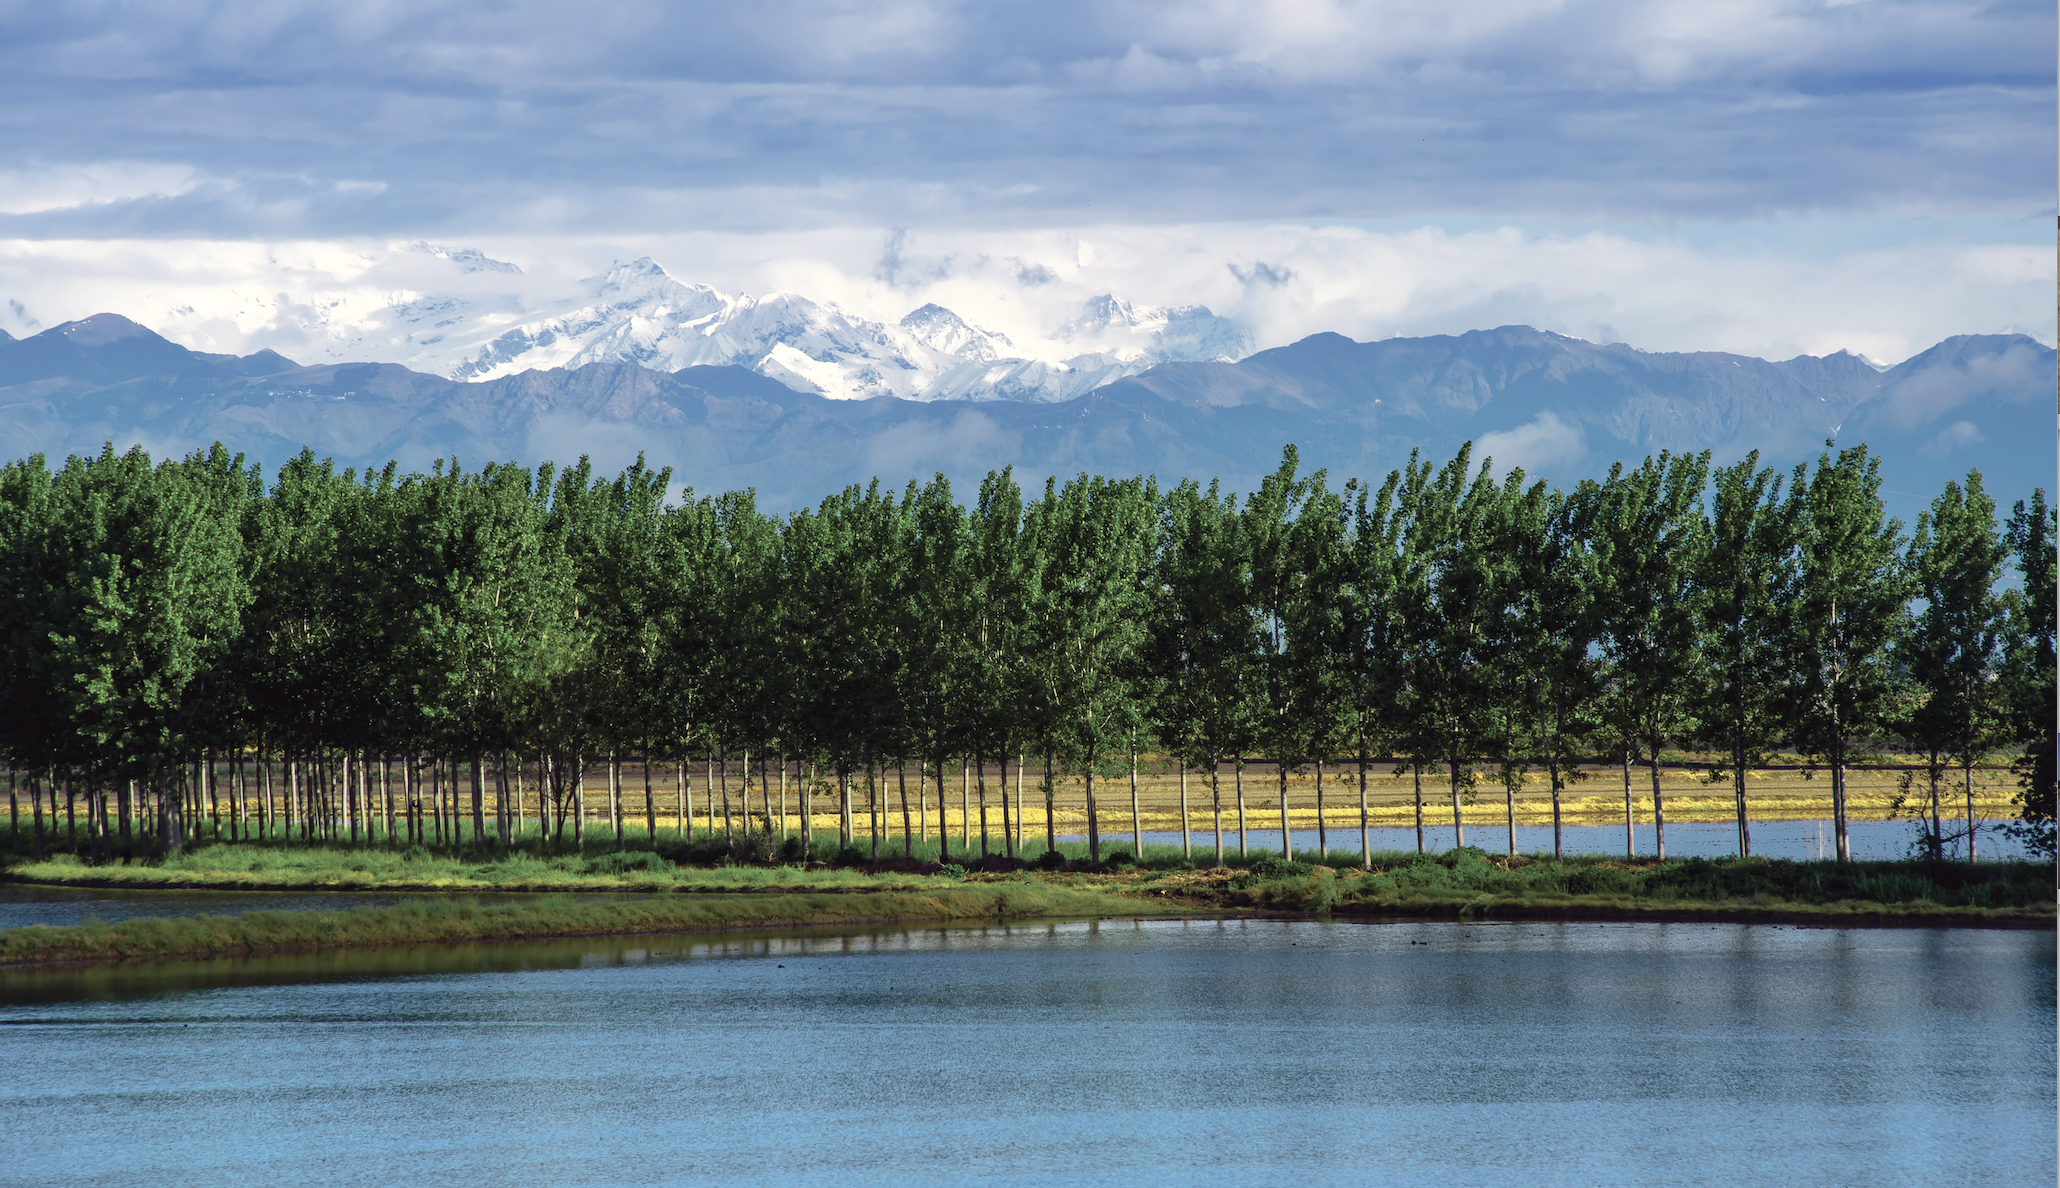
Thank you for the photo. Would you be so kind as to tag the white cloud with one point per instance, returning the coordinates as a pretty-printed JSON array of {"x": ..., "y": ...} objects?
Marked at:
[
  {"x": 1773, "y": 300},
  {"x": 1546, "y": 441}
]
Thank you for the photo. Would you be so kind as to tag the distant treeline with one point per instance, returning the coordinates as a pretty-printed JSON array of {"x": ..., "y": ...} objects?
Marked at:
[{"x": 158, "y": 619}]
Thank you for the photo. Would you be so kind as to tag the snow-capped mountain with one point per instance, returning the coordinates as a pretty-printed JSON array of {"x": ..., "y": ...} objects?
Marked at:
[{"x": 637, "y": 312}]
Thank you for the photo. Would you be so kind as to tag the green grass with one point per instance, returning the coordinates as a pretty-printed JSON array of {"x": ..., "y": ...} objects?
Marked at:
[
  {"x": 1465, "y": 883},
  {"x": 1471, "y": 883},
  {"x": 458, "y": 919}
]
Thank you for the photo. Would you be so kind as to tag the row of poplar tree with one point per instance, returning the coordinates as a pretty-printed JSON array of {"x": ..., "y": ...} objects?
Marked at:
[{"x": 156, "y": 618}]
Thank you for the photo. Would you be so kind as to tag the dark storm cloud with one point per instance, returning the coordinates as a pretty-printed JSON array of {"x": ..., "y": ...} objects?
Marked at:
[{"x": 339, "y": 119}]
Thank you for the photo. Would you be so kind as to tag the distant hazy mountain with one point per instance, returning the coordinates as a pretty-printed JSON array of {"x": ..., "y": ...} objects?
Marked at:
[{"x": 1561, "y": 408}]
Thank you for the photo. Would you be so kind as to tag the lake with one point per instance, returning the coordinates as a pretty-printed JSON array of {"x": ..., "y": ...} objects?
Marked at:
[{"x": 1260, "y": 1052}]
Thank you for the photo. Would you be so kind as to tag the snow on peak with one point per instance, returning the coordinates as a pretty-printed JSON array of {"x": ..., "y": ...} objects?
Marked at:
[
  {"x": 1162, "y": 334},
  {"x": 637, "y": 312},
  {"x": 942, "y": 330},
  {"x": 468, "y": 260}
]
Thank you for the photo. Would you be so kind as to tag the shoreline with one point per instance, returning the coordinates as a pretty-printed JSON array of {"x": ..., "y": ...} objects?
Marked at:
[{"x": 460, "y": 919}]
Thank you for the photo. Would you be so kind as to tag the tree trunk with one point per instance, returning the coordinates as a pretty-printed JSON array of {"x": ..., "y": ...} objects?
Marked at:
[
  {"x": 1287, "y": 833},
  {"x": 1630, "y": 838},
  {"x": 1458, "y": 824},
  {"x": 1008, "y": 837},
  {"x": 1021, "y": 804},
  {"x": 1967, "y": 772},
  {"x": 1509, "y": 809},
  {"x": 1051, "y": 828},
  {"x": 615, "y": 796},
  {"x": 1659, "y": 808},
  {"x": 1552, "y": 773},
  {"x": 923, "y": 799},
  {"x": 479, "y": 795},
  {"x": 1416, "y": 765},
  {"x": 943, "y": 817},
  {"x": 1238, "y": 778},
  {"x": 1738, "y": 790},
  {"x": 1322, "y": 830},
  {"x": 1136, "y": 820},
  {"x": 1365, "y": 832},
  {"x": 908, "y": 831},
  {"x": 1094, "y": 837},
  {"x": 171, "y": 821},
  {"x": 214, "y": 803},
  {"x": 729, "y": 833},
  {"x": 1216, "y": 801},
  {"x": 1187, "y": 849},
  {"x": 872, "y": 809},
  {"x": 843, "y": 808},
  {"x": 980, "y": 768},
  {"x": 681, "y": 803},
  {"x": 651, "y": 798},
  {"x": 1843, "y": 845},
  {"x": 965, "y": 807}
]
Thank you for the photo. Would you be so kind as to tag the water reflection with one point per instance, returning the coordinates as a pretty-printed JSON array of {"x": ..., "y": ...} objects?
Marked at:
[{"x": 1132, "y": 1052}]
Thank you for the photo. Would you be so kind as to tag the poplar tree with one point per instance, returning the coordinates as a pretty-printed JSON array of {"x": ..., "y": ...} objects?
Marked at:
[
  {"x": 1650, "y": 538},
  {"x": 1850, "y": 608},
  {"x": 1748, "y": 581},
  {"x": 1372, "y": 634},
  {"x": 2030, "y": 665},
  {"x": 1453, "y": 597},
  {"x": 1100, "y": 541},
  {"x": 1202, "y": 645},
  {"x": 1954, "y": 647}
]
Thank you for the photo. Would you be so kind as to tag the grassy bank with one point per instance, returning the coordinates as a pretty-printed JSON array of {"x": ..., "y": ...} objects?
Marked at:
[
  {"x": 458, "y": 919},
  {"x": 1471, "y": 884},
  {"x": 1457, "y": 884}
]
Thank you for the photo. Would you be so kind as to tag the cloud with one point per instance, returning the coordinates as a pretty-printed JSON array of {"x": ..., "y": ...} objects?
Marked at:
[
  {"x": 1956, "y": 436},
  {"x": 1031, "y": 275},
  {"x": 1262, "y": 273},
  {"x": 449, "y": 119},
  {"x": 1762, "y": 293},
  {"x": 1546, "y": 441}
]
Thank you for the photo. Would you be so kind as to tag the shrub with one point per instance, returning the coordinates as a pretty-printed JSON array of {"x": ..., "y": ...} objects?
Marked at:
[
  {"x": 1280, "y": 868},
  {"x": 1051, "y": 860},
  {"x": 952, "y": 870}
]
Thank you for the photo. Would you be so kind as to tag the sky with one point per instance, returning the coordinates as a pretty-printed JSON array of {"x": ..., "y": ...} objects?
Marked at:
[{"x": 1766, "y": 177}]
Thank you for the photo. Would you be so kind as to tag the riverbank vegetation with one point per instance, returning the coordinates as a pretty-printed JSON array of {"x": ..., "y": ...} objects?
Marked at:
[
  {"x": 647, "y": 893},
  {"x": 457, "y": 919},
  {"x": 452, "y": 661}
]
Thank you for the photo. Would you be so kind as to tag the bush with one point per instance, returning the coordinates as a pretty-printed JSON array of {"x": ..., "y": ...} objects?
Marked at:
[
  {"x": 1118, "y": 858},
  {"x": 952, "y": 870},
  {"x": 411, "y": 854},
  {"x": 1051, "y": 860},
  {"x": 1280, "y": 868},
  {"x": 624, "y": 863},
  {"x": 791, "y": 850}
]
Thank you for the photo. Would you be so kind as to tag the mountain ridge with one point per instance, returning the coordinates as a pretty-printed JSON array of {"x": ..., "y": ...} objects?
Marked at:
[{"x": 1561, "y": 408}]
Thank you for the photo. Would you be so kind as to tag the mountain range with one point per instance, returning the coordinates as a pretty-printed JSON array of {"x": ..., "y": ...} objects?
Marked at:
[
  {"x": 1561, "y": 408},
  {"x": 636, "y": 312}
]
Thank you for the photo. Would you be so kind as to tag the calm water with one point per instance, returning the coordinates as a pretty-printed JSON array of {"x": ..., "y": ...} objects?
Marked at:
[
  {"x": 1255, "y": 1052},
  {"x": 1770, "y": 839}
]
